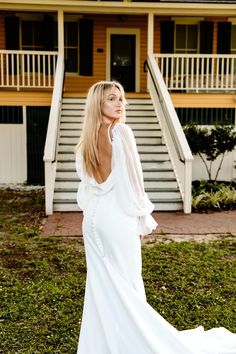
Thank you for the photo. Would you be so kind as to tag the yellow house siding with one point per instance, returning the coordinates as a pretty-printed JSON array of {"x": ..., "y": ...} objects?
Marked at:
[
  {"x": 203, "y": 100},
  {"x": 101, "y": 23},
  {"x": 25, "y": 98},
  {"x": 214, "y": 47},
  {"x": 157, "y": 35}
]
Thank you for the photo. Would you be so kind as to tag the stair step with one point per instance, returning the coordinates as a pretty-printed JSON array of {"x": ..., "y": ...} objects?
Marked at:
[
  {"x": 70, "y": 194},
  {"x": 74, "y": 100},
  {"x": 129, "y": 113},
  {"x": 171, "y": 205},
  {"x": 142, "y": 113},
  {"x": 134, "y": 126},
  {"x": 150, "y": 183},
  {"x": 145, "y": 149},
  {"x": 158, "y": 164},
  {"x": 171, "y": 183},
  {"x": 71, "y": 173},
  {"x": 67, "y": 118},
  {"x": 72, "y": 106},
  {"x": 146, "y": 166},
  {"x": 145, "y": 158},
  {"x": 142, "y": 101},
  {"x": 137, "y": 133},
  {"x": 147, "y": 133},
  {"x": 130, "y": 101},
  {"x": 130, "y": 106},
  {"x": 159, "y": 179},
  {"x": 139, "y": 106},
  {"x": 153, "y": 157},
  {"x": 72, "y": 140}
]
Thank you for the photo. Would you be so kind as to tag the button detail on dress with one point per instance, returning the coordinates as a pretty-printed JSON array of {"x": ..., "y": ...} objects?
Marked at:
[{"x": 94, "y": 232}]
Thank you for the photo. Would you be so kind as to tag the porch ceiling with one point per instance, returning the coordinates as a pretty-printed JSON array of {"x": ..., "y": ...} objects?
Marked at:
[{"x": 108, "y": 7}]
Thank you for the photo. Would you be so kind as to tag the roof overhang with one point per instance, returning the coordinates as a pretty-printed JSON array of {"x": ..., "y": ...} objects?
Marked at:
[{"x": 112, "y": 7}]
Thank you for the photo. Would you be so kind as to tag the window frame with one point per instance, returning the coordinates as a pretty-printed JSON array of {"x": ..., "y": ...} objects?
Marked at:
[
  {"x": 34, "y": 21},
  {"x": 186, "y": 50},
  {"x": 233, "y": 49},
  {"x": 67, "y": 47},
  {"x": 35, "y": 18},
  {"x": 11, "y": 115}
]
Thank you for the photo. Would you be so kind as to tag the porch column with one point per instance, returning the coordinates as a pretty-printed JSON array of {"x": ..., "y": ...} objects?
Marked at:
[
  {"x": 60, "y": 26},
  {"x": 150, "y": 33},
  {"x": 150, "y": 40}
]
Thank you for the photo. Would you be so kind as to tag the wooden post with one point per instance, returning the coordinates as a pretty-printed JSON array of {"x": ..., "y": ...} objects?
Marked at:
[
  {"x": 60, "y": 24},
  {"x": 150, "y": 39}
]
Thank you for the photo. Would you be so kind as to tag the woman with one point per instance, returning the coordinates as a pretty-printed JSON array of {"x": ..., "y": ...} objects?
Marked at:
[{"x": 116, "y": 317}]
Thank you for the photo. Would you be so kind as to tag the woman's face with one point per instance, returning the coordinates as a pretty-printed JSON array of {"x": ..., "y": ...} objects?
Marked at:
[{"x": 112, "y": 106}]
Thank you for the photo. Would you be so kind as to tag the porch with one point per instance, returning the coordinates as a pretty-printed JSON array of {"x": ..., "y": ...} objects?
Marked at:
[{"x": 183, "y": 73}]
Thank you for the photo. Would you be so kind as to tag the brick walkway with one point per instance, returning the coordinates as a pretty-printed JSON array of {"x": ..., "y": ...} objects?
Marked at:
[{"x": 170, "y": 223}]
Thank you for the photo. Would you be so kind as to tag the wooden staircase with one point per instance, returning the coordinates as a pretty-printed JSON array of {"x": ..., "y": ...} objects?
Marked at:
[{"x": 159, "y": 178}]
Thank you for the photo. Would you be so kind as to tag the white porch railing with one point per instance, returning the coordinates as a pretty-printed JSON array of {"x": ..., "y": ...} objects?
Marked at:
[
  {"x": 52, "y": 135},
  {"x": 198, "y": 72},
  {"x": 180, "y": 153},
  {"x": 27, "y": 69}
]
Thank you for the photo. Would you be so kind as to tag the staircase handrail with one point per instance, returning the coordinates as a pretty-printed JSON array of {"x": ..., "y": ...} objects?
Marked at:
[
  {"x": 52, "y": 135},
  {"x": 172, "y": 130}
]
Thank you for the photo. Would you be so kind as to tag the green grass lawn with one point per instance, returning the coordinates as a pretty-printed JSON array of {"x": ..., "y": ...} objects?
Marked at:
[{"x": 43, "y": 281}]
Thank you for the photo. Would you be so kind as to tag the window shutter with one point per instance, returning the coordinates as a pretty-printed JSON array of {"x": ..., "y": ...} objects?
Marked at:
[
  {"x": 224, "y": 38},
  {"x": 167, "y": 36},
  {"x": 206, "y": 37},
  {"x": 86, "y": 47},
  {"x": 12, "y": 25},
  {"x": 48, "y": 22}
]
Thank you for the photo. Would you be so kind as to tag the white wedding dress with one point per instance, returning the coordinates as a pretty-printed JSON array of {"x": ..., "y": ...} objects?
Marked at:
[{"x": 116, "y": 317}]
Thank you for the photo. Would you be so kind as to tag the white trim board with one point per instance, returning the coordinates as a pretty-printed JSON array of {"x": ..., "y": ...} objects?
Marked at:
[{"x": 136, "y": 32}]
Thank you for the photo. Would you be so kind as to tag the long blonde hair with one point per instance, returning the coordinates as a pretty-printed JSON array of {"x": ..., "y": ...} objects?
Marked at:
[{"x": 92, "y": 121}]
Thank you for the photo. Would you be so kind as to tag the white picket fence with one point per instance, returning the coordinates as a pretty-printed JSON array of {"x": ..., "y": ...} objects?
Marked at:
[
  {"x": 27, "y": 69},
  {"x": 198, "y": 72}
]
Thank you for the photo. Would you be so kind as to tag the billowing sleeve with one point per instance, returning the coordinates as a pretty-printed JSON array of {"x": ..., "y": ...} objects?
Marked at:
[
  {"x": 84, "y": 192},
  {"x": 128, "y": 174}
]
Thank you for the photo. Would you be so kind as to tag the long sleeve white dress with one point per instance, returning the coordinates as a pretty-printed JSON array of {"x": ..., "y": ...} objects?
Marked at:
[{"x": 116, "y": 316}]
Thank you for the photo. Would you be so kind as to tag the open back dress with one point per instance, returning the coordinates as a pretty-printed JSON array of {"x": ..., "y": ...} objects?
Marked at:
[{"x": 116, "y": 316}]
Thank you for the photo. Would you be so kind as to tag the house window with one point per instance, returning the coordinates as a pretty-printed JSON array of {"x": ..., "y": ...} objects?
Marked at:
[
  {"x": 11, "y": 115},
  {"x": 206, "y": 116},
  {"x": 42, "y": 34},
  {"x": 32, "y": 35},
  {"x": 37, "y": 35},
  {"x": 33, "y": 38},
  {"x": 186, "y": 38},
  {"x": 233, "y": 39},
  {"x": 71, "y": 45}
]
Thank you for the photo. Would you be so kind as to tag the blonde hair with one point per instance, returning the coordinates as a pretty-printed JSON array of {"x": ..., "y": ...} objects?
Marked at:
[{"x": 92, "y": 121}]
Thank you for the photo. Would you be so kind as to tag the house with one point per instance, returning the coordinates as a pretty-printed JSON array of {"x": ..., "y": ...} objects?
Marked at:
[{"x": 176, "y": 60}]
